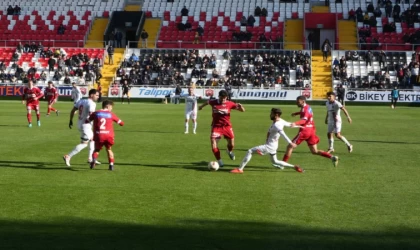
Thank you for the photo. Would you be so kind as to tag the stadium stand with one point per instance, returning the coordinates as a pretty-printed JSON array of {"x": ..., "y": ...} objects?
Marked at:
[{"x": 250, "y": 68}]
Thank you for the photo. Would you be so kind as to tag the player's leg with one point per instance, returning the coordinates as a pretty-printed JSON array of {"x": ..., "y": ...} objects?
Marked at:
[
  {"x": 110, "y": 157},
  {"x": 79, "y": 147},
  {"x": 48, "y": 109},
  {"x": 187, "y": 120},
  {"x": 128, "y": 97},
  {"x": 194, "y": 120},
  {"x": 289, "y": 149},
  {"x": 314, "y": 150},
  {"x": 28, "y": 115},
  {"x": 282, "y": 164},
  {"x": 343, "y": 139},
  {"x": 330, "y": 137},
  {"x": 122, "y": 98},
  {"x": 52, "y": 108},
  {"x": 38, "y": 115},
  {"x": 95, "y": 154},
  {"x": 261, "y": 150},
  {"x": 230, "y": 137},
  {"x": 216, "y": 151},
  {"x": 395, "y": 102}
]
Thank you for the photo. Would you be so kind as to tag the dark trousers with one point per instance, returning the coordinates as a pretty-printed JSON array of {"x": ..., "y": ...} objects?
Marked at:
[{"x": 394, "y": 101}]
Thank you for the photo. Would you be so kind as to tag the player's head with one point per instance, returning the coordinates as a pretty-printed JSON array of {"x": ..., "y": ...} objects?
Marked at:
[
  {"x": 73, "y": 84},
  {"x": 223, "y": 95},
  {"x": 50, "y": 84},
  {"x": 107, "y": 104},
  {"x": 30, "y": 83},
  {"x": 331, "y": 96},
  {"x": 300, "y": 101},
  {"x": 395, "y": 87},
  {"x": 190, "y": 90},
  {"x": 275, "y": 113},
  {"x": 94, "y": 95}
]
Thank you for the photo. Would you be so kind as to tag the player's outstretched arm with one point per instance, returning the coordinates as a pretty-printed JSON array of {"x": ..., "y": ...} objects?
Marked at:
[
  {"x": 240, "y": 107},
  {"x": 203, "y": 105},
  {"x": 347, "y": 114},
  {"x": 287, "y": 139},
  {"x": 295, "y": 114},
  {"x": 71, "y": 117}
]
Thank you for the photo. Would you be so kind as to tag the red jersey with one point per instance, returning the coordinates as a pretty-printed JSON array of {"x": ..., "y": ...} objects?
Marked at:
[
  {"x": 51, "y": 93},
  {"x": 30, "y": 94},
  {"x": 221, "y": 112},
  {"x": 307, "y": 115},
  {"x": 103, "y": 126}
]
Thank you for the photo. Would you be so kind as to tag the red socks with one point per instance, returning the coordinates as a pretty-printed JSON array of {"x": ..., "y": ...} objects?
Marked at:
[
  {"x": 48, "y": 111},
  {"x": 29, "y": 116},
  {"x": 216, "y": 153},
  {"x": 326, "y": 155},
  {"x": 286, "y": 158},
  {"x": 111, "y": 161},
  {"x": 37, "y": 116},
  {"x": 95, "y": 155},
  {"x": 53, "y": 109}
]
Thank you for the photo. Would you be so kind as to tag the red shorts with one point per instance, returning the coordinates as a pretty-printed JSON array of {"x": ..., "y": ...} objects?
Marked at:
[
  {"x": 32, "y": 107},
  {"x": 217, "y": 132},
  {"x": 51, "y": 102},
  {"x": 104, "y": 141},
  {"x": 308, "y": 135}
]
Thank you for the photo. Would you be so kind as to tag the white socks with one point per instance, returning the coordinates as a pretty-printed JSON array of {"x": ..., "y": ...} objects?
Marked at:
[
  {"x": 91, "y": 149},
  {"x": 195, "y": 127},
  {"x": 345, "y": 140},
  {"x": 77, "y": 149},
  {"x": 331, "y": 143},
  {"x": 186, "y": 127},
  {"x": 281, "y": 163},
  {"x": 246, "y": 159}
]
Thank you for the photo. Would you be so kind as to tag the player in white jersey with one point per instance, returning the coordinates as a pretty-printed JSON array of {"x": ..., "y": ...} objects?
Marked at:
[
  {"x": 76, "y": 94},
  {"x": 190, "y": 108},
  {"x": 85, "y": 107},
  {"x": 333, "y": 119},
  {"x": 272, "y": 142}
]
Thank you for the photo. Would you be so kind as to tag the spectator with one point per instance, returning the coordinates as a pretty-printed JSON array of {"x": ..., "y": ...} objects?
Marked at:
[
  {"x": 16, "y": 10},
  {"x": 184, "y": 11},
  {"x": 388, "y": 9},
  {"x": 326, "y": 48},
  {"x": 366, "y": 20},
  {"x": 372, "y": 22},
  {"x": 382, "y": 59},
  {"x": 257, "y": 11},
  {"x": 377, "y": 12},
  {"x": 311, "y": 39},
  {"x": 178, "y": 91},
  {"x": 370, "y": 8},
  {"x": 61, "y": 29},
  {"x": 397, "y": 10},
  {"x": 341, "y": 91},
  {"x": 200, "y": 30},
  {"x": 19, "y": 48},
  {"x": 352, "y": 15},
  {"x": 118, "y": 38},
  {"x": 264, "y": 12},
  {"x": 188, "y": 26},
  {"x": 110, "y": 51},
  {"x": 244, "y": 21},
  {"x": 181, "y": 26},
  {"x": 26, "y": 47},
  {"x": 251, "y": 21},
  {"x": 369, "y": 58},
  {"x": 51, "y": 64},
  {"x": 134, "y": 58},
  {"x": 10, "y": 10},
  {"x": 196, "y": 38},
  {"x": 336, "y": 62},
  {"x": 144, "y": 35}
]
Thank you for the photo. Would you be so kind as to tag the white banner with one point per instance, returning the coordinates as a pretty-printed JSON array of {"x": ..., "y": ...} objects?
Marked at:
[
  {"x": 381, "y": 96},
  {"x": 241, "y": 94}
]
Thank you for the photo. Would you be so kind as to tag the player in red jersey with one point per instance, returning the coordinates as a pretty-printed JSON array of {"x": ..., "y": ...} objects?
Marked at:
[
  {"x": 31, "y": 96},
  {"x": 103, "y": 130},
  {"x": 51, "y": 94},
  {"x": 221, "y": 125},
  {"x": 307, "y": 133}
]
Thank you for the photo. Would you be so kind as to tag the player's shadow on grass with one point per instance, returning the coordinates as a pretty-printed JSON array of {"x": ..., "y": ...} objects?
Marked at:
[
  {"x": 148, "y": 131},
  {"x": 38, "y": 165},
  {"x": 387, "y": 142},
  {"x": 179, "y": 233},
  {"x": 12, "y": 125}
]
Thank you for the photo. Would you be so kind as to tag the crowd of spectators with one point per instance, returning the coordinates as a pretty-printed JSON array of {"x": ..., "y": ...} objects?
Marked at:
[
  {"x": 13, "y": 10},
  {"x": 64, "y": 68},
  {"x": 257, "y": 68},
  {"x": 406, "y": 75}
]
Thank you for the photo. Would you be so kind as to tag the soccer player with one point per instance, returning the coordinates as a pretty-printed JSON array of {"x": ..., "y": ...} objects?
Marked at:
[
  {"x": 221, "y": 125},
  {"x": 51, "y": 94},
  {"x": 104, "y": 131},
  {"x": 125, "y": 91},
  {"x": 190, "y": 108},
  {"x": 271, "y": 144},
  {"x": 307, "y": 132},
  {"x": 31, "y": 96},
  {"x": 333, "y": 119},
  {"x": 85, "y": 107},
  {"x": 76, "y": 94},
  {"x": 395, "y": 94}
]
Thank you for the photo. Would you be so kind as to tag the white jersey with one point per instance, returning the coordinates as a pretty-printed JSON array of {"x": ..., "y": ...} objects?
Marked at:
[
  {"x": 85, "y": 108},
  {"x": 190, "y": 102},
  {"x": 274, "y": 133},
  {"x": 76, "y": 94},
  {"x": 334, "y": 111}
]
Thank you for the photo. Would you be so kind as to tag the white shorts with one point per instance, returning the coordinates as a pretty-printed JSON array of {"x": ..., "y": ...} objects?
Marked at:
[
  {"x": 86, "y": 132},
  {"x": 263, "y": 150},
  {"x": 191, "y": 114},
  {"x": 334, "y": 127}
]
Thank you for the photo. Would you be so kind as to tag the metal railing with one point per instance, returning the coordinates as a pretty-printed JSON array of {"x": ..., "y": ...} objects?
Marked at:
[
  {"x": 46, "y": 43},
  {"x": 381, "y": 46}
]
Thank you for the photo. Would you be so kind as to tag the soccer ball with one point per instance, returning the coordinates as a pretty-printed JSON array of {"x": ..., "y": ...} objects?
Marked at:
[{"x": 213, "y": 166}]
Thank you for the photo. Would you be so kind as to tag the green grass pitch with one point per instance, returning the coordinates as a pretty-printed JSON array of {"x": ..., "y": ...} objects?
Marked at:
[{"x": 161, "y": 195}]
